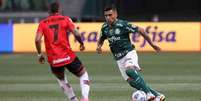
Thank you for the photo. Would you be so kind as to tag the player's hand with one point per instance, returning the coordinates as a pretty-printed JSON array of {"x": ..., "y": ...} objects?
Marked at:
[
  {"x": 82, "y": 47},
  {"x": 41, "y": 59},
  {"x": 99, "y": 50},
  {"x": 156, "y": 48}
]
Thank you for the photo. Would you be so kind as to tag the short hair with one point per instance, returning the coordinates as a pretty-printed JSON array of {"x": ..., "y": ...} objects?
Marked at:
[
  {"x": 54, "y": 7},
  {"x": 110, "y": 7}
]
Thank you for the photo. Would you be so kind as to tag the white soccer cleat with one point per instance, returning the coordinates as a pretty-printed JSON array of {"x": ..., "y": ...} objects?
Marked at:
[
  {"x": 150, "y": 97},
  {"x": 161, "y": 97}
]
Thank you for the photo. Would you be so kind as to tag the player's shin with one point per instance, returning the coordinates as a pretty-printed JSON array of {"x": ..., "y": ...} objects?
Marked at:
[
  {"x": 154, "y": 92},
  {"x": 84, "y": 84},
  {"x": 68, "y": 90},
  {"x": 136, "y": 80}
]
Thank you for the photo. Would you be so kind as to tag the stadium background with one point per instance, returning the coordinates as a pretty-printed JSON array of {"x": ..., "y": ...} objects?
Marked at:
[{"x": 175, "y": 25}]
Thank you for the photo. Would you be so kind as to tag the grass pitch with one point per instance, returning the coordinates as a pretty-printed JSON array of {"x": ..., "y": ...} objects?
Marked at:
[{"x": 177, "y": 75}]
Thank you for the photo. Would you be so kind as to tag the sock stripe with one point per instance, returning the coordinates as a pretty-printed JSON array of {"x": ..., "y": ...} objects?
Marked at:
[
  {"x": 72, "y": 98},
  {"x": 87, "y": 82}
]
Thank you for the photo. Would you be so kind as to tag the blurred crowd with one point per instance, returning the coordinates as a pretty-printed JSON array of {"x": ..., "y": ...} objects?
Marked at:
[
  {"x": 24, "y": 5},
  {"x": 92, "y": 10}
]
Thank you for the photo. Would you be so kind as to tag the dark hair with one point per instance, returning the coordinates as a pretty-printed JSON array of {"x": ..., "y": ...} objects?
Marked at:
[
  {"x": 110, "y": 7},
  {"x": 54, "y": 7}
]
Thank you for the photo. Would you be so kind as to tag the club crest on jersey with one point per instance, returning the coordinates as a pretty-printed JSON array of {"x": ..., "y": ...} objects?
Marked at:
[
  {"x": 111, "y": 31},
  {"x": 117, "y": 31}
]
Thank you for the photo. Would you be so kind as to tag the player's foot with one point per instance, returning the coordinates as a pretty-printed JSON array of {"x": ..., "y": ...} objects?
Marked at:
[
  {"x": 84, "y": 99},
  {"x": 150, "y": 97},
  {"x": 161, "y": 97}
]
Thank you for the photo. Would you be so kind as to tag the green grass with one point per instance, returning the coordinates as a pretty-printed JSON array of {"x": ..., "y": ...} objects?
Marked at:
[{"x": 177, "y": 75}]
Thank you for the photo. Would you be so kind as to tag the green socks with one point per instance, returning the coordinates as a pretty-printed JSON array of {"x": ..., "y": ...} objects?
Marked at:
[
  {"x": 137, "y": 81},
  {"x": 154, "y": 92}
]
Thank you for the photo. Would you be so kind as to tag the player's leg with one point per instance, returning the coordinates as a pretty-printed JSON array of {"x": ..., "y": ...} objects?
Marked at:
[
  {"x": 154, "y": 91},
  {"x": 133, "y": 77},
  {"x": 77, "y": 68},
  {"x": 160, "y": 97},
  {"x": 134, "y": 57},
  {"x": 130, "y": 68},
  {"x": 62, "y": 80},
  {"x": 136, "y": 80}
]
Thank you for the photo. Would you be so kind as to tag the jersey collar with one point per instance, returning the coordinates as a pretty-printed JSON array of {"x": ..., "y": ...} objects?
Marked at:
[{"x": 114, "y": 23}]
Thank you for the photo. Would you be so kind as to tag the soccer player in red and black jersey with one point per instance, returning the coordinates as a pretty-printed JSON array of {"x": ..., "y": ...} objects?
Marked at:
[{"x": 54, "y": 28}]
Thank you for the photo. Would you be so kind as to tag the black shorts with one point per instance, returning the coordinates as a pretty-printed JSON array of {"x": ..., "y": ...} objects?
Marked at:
[{"x": 74, "y": 67}]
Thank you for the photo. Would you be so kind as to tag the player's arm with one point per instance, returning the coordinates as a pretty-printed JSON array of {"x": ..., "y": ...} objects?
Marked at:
[
  {"x": 134, "y": 29},
  {"x": 75, "y": 32},
  {"x": 99, "y": 45},
  {"x": 38, "y": 38},
  {"x": 78, "y": 38},
  {"x": 146, "y": 37},
  {"x": 100, "y": 42}
]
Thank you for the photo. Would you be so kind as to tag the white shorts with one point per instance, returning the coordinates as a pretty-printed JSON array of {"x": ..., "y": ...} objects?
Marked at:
[{"x": 130, "y": 60}]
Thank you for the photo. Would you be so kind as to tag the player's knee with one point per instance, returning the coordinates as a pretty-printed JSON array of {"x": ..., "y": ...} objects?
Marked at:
[
  {"x": 59, "y": 75},
  {"x": 132, "y": 73},
  {"x": 133, "y": 67},
  {"x": 130, "y": 67},
  {"x": 80, "y": 72},
  {"x": 129, "y": 79}
]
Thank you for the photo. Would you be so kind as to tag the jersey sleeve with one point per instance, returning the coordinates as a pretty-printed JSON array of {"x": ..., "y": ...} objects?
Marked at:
[
  {"x": 40, "y": 28},
  {"x": 102, "y": 34},
  {"x": 131, "y": 28},
  {"x": 71, "y": 25}
]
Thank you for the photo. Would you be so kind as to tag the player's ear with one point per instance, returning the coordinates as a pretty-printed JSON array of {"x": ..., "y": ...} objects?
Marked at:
[{"x": 115, "y": 13}]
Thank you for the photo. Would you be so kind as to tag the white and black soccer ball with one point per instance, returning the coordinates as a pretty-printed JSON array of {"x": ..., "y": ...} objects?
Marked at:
[{"x": 139, "y": 96}]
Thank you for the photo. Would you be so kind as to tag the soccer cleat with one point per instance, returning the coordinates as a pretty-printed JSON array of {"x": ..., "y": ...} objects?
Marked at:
[
  {"x": 150, "y": 97},
  {"x": 161, "y": 97},
  {"x": 84, "y": 99}
]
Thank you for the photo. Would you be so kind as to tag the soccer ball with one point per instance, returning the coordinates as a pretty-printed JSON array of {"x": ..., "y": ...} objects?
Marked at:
[{"x": 139, "y": 96}]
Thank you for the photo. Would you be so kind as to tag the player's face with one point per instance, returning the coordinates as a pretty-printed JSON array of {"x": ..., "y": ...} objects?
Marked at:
[{"x": 110, "y": 16}]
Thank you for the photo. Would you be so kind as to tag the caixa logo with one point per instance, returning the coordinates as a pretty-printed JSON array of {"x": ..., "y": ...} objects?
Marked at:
[{"x": 156, "y": 35}]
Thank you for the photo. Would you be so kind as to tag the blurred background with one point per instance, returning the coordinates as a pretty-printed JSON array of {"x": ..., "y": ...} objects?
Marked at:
[
  {"x": 174, "y": 25},
  {"x": 28, "y": 11},
  {"x": 168, "y": 22}
]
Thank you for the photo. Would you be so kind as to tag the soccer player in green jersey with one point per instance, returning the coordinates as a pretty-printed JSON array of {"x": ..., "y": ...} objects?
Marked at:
[{"x": 117, "y": 32}]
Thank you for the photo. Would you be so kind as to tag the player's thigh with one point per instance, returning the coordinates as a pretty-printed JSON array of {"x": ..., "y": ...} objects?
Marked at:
[
  {"x": 122, "y": 69},
  {"x": 131, "y": 60},
  {"x": 58, "y": 71},
  {"x": 76, "y": 67}
]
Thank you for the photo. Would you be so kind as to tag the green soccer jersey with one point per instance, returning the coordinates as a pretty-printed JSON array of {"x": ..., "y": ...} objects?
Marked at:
[{"x": 118, "y": 37}]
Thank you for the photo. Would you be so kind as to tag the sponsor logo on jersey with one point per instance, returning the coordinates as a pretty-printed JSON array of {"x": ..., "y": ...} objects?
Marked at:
[
  {"x": 113, "y": 38},
  {"x": 61, "y": 60}
]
